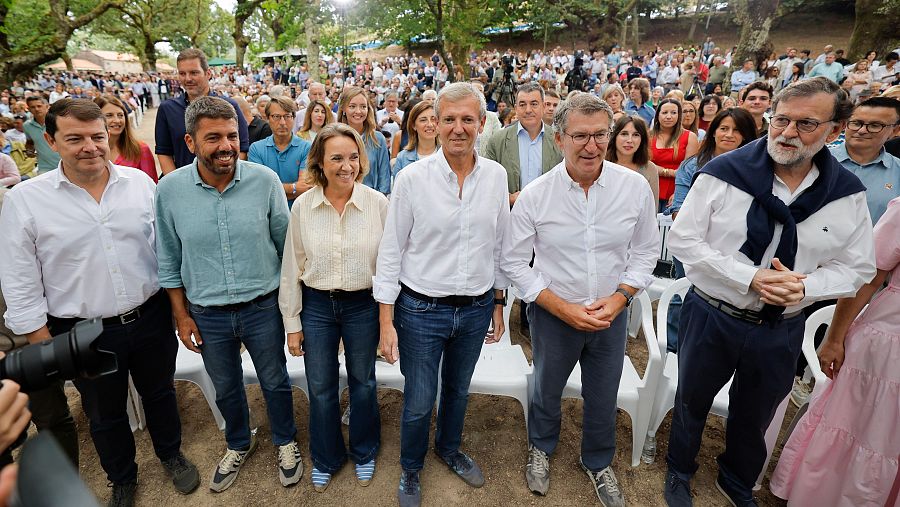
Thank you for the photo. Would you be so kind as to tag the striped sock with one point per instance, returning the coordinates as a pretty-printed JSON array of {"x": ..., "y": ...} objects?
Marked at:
[
  {"x": 320, "y": 479},
  {"x": 365, "y": 471}
]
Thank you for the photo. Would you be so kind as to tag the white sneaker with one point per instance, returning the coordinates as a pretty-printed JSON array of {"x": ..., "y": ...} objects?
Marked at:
[
  {"x": 290, "y": 464},
  {"x": 227, "y": 469},
  {"x": 800, "y": 392}
]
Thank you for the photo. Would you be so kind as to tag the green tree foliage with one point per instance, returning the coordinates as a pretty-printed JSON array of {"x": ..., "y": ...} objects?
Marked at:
[{"x": 35, "y": 32}]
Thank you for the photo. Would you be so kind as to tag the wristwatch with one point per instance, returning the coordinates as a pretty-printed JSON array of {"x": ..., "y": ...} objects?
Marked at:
[
  {"x": 501, "y": 300},
  {"x": 628, "y": 297}
]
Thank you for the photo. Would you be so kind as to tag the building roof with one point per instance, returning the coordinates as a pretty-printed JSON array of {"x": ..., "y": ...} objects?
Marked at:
[
  {"x": 114, "y": 55},
  {"x": 77, "y": 64}
]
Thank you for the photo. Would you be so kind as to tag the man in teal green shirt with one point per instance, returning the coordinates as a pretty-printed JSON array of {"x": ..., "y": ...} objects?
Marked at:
[
  {"x": 47, "y": 159},
  {"x": 220, "y": 228},
  {"x": 872, "y": 124},
  {"x": 829, "y": 68}
]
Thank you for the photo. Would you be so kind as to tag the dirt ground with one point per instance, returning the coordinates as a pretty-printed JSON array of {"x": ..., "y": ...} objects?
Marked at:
[{"x": 494, "y": 436}]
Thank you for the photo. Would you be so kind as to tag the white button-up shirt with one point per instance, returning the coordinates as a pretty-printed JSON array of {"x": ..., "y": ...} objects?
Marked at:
[
  {"x": 329, "y": 251},
  {"x": 68, "y": 256},
  {"x": 835, "y": 247},
  {"x": 584, "y": 245},
  {"x": 438, "y": 244}
]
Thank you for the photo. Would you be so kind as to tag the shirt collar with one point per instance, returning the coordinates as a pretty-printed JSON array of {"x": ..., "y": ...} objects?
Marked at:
[
  {"x": 318, "y": 197},
  {"x": 572, "y": 184},
  {"x": 295, "y": 141},
  {"x": 520, "y": 129},
  {"x": 197, "y": 180},
  {"x": 445, "y": 165},
  {"x": 842, "y": 155},
  {"x": 58, "y": 177}
]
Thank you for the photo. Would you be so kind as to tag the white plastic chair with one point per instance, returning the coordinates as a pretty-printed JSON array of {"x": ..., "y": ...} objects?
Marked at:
[
  {"x": 820, "y": 317},
  {"x": 636, "y": 394},
  {"x": 668, "y": 384},
  {"x": 189, "y": 367},
  {"x": 503, "y": 369},
  {"x": 133, "y": 407}
]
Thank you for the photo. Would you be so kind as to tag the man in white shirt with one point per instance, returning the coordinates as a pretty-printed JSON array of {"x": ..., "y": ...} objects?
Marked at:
[
  {"x": 79, "y": 242},
  {"x": 755, "y": 263},
  {"x": 491, "y": 121},
  {"x": 437, "y": 277},
  {"x": 668, "y": 76},
  {"x": 887, "y": 73},
  {"x": 390, "y": 117},
  {"x": 592, "y": 227}
]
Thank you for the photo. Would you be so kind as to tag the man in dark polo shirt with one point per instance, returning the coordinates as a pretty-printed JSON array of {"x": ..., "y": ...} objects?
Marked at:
[{"x": 193, "y": 75}]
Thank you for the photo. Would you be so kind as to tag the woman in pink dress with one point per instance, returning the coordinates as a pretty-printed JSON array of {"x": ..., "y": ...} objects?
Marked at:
[{"x": 845, "y": 449}]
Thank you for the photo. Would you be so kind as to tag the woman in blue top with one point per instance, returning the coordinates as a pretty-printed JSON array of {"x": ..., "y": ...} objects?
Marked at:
[
  {"x": 355, "y": 110},
  {"x": 729, "y": 130},
  {"x": 421, "y": 127},
  {"x": 283, "y": 152}
]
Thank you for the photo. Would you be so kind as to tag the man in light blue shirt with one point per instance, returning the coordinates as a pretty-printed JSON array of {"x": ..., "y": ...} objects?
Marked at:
[
  {"x": 283, "y": 152},
  {"x": 872, "y": 124},
  {"x": 47, "y": 159},
  {"x": 829, "y": 68},
  {"x": 220, "y": 230},
  {"x": 743, "y": 77}
]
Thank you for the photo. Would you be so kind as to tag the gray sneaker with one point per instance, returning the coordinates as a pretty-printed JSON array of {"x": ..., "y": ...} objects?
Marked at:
[
  {"x": 465, "y": 467},
  {"x": 606, "y": 486},
  {"x": 537, "y": 471},
  {"x": 227, "y": 469},
  {"x": 800, "y": 392},
  {"x": 409, "y": 494},
  {"x": 290, "y": 464}
]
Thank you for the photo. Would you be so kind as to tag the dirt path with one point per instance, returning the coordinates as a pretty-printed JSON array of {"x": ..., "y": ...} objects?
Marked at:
[{"x": 494, "y": 436}]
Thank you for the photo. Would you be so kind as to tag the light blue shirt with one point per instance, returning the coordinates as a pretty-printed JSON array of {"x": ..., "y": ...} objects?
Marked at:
[
  {"x": 530, "y": 153},
  {"x": 880, "y": 176},
  {"x": 47, "y": 159},
  {"x": 741, "y": 78},
  {"x": 287, "y": 164},
  {"x": 834, "y": 72},
  {"x": 223, "y": 248},
  {"x": 650, "y": 69},
  {"x": 379, "y": 175},
  {"x": 684, "y": 176}
]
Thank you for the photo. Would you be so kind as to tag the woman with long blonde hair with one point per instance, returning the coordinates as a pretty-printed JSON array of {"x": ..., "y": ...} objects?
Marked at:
[{"x": 355, "y": 110}]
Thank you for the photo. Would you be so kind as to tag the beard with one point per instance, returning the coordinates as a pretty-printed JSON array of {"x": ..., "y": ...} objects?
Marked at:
[
  {"x": 793, "y": 158},
  {"x": 211, "y": 164}
]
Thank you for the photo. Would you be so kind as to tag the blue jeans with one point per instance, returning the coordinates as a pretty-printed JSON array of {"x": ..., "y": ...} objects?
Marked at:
[
  {"x": 258, "y": 326},
  {"x": 427, "y": 331},
  {"x": 326, "y": 321},
  {"x": 674, "y": 316}
]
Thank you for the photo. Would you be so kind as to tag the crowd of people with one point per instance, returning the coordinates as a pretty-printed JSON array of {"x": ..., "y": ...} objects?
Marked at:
[{"x": 354, "y": 216}]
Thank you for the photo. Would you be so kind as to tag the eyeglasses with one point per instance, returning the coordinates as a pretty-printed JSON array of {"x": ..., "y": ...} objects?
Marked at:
[
  {"x": 872, "y": 128},
  {"x": 582, "y": 139},
  {"x": 805, "y": 125},
  {"x": 279, "y": 117}
]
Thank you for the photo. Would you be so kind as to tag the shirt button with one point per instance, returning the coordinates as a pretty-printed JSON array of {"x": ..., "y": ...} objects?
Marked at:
[{"x": 222, "y": 223}]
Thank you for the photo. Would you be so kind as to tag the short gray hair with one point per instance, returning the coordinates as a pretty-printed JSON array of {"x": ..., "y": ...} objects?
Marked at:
[
  {"x": 584, "y": 103},
  {"x": 207, "y": 107},
  {"x": 458, "y": 91},
  {"x": 391, "y": 93},
  {"x": 530, "y": 88},
  {"x": 843, "y": 106}
]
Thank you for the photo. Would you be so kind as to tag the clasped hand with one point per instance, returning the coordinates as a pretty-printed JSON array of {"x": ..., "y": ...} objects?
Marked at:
[{"x": 779, "y": 286}]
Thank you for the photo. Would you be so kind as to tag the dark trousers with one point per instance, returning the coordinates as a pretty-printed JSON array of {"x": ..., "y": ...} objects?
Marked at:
[
  {"x": 50, "y": 412},
  {"x": 556, "y": 348},
  {"x": 712, "y": 347},
  {"x": 145, "y": 348}
]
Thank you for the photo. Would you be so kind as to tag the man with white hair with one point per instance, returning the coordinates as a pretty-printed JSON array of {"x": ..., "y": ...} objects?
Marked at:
[
  {"x": 316, "y": 91},
  {"x": 738, "y": 235},
  {"x": 437, "y": 301}
]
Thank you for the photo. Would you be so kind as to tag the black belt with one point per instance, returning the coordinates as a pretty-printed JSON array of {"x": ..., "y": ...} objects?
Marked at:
[
  {"x": 340, "y": 294},
  {"x": 119, "y": 320},
  {"x": 445, "y": 300},
  {"x": 750, "y": 316},
  {"x": 236, "y": 307}
]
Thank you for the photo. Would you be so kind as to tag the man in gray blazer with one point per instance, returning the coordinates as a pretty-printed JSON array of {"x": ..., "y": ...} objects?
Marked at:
[{"x": 526, "y": 148}]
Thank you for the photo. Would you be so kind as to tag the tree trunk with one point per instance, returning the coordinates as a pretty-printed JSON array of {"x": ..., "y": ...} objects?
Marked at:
[
  {"x": 242, "y": 11},
  {"x": 546, "y": 30},
  {"x": 16, "y": 62},
  {"x": 277, "y": 30},
  {"x": 694, "y": 22},
  {"x": 312, "y": 41},
  {"x": 755, "y": 19},
  {"x": 68, "y": 61},
  {"x": 873, "y": 29},
  {"x": 636, "y": 30},
  {"x": 437, "y": 10},
  {"x": 150, "y": 55}
]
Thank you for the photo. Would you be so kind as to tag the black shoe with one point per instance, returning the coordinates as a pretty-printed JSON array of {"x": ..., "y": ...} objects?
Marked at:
[
  {"x": 465, "y": 467},
  {"x": 733, "y": 496},
  {"x": 677, "y": 492},
  {"x": 184, "y": 474},
  {"x": 122, "y": 495}
]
